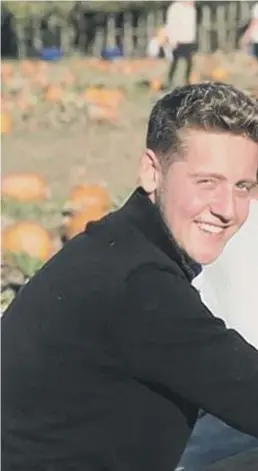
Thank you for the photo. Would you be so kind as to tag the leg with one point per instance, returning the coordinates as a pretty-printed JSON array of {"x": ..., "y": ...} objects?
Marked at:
[
  {"x": 189, "y": 67},
  {"x": 172, "y": 70},
  {"x": 211, "y": 441},
  {"x": 255, "y": 50}
]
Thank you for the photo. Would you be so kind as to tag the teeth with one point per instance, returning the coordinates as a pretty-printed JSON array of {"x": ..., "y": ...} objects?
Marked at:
[{"x": 210, "y": 228}]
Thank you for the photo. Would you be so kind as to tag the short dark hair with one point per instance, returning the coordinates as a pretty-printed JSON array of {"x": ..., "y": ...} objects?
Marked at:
[{"x": 208, "y": 106}]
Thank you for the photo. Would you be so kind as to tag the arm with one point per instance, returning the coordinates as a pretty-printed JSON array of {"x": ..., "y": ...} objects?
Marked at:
[
  {"x": 171, "y": 26},
  {"x": 169, "y": 338},
  {"x": 252, "y": 26},
  {"x": 247, "y": 36}
]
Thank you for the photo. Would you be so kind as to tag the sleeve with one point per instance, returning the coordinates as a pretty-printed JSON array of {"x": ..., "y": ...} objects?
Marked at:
[
  {"x": 171, "y": 340},
  {"x": 255, "y": 12},
  {"x": 172, "y": 23}
]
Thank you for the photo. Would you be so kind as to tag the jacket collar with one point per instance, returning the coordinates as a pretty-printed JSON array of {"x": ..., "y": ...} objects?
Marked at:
[{"x": 146, "y": 216}]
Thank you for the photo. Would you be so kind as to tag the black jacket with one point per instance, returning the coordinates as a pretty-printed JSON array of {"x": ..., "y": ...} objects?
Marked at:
[{"x": 108, "y": 353}]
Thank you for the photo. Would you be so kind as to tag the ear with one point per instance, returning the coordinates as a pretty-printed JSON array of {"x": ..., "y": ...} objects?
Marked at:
[{"x": 149, "y": 172}]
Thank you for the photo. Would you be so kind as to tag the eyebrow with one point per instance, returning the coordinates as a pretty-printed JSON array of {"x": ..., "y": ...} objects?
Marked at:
[
  {"x": 253, "y": 183},
  {"x": 208, "y": 174},
  {"x": 220, "y": 177}
]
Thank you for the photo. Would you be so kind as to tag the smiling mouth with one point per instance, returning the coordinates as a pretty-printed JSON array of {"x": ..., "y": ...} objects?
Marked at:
[{"x": 210, "y": 228}]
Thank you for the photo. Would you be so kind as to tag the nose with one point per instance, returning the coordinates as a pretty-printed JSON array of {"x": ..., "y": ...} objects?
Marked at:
[{"x": 223, "y": 205}]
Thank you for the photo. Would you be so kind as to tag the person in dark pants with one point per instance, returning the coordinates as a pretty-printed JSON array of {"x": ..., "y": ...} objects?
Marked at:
[
  {"x": 181, "y": 30},
  {"x": 108, "y": 353},
  {"x": 185, "y": 52}
]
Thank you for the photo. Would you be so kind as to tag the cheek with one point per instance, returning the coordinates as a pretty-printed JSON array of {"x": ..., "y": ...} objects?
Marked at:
[
  {"x": 242, "y": 210},
  {"x": 189, "y": 205}
]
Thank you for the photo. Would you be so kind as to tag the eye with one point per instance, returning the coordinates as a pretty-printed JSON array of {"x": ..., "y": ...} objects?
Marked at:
[
  {"x": 206, "y": 182},
  {"x": 245, "y": 187}
]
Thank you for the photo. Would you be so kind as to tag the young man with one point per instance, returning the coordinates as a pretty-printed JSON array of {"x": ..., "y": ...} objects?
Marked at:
[
  {"x": 228, "y": 287},
  {"x": 181, "y": 29},
  {"x": 108, "y": 352}
]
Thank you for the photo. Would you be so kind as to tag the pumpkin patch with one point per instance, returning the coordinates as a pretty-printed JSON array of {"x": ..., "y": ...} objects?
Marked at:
[
  {"x": 78, "y": 222},
  {"x": 29, "y": 238},
  {"x": 96, "y": 90},
  {"x": 84, "y": 196},
  {"x": 24, "y": 187},
  {"x": 69, "y": 125}
]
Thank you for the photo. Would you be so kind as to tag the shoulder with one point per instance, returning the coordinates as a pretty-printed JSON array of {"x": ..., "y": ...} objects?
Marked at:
[
  {"x": 163, "y": 287},
  {"x": 157, "y": 270},
  {"x": 173, "y": 9}
]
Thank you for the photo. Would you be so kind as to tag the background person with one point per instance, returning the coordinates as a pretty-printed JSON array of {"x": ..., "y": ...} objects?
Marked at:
[
  {"x": 228, "y": 287},
  {"x": 251, "y": 34},
  {"x": 181, "y": 28}
]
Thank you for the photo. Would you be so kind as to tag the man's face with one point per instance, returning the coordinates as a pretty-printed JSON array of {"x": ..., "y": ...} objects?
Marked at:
[{"x": 204, "y": 197}]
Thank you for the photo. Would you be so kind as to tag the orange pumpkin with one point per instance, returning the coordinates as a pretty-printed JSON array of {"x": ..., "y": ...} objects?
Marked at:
[
  {"x": 103, "y": 96},
  {"x": 194, "y": 77},
  {"x": 6, "y": 71},
  {"x": 24, "y": 187},
  {"x": 111, "y": 97},
  {"x": 79, "y": 221},
  {"x": 5, "y": 123},
  {"x": 28, "y": 238},
  {"x": 53, "y": 93},
  {"x": 83, "y": 196},
  {"x": 27, "y": 67},
  {"x": 155, "y": 85},
  {"x": 219, "y": 74},
  {"x": 93, "y": 95},
  {"x": 102, "y": 114}
]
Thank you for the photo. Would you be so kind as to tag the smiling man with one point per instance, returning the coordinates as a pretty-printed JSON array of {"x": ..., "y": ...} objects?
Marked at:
[{"x": 108, "y": 353}]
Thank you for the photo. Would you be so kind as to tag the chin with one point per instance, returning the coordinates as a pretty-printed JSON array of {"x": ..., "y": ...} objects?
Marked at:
[
  {"x": 206, "y": 259},
  {"x": 204, "y": 254}
]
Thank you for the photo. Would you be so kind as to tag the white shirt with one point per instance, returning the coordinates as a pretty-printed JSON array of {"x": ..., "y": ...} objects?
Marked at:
[
  {"x": 254, "y": 34},
  {"x": 181, "y": 24},
  {"x": 229, "y": 286}
]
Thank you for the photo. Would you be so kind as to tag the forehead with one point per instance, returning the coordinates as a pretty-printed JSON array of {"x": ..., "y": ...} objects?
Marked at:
[{"x": 221, "y": 151}]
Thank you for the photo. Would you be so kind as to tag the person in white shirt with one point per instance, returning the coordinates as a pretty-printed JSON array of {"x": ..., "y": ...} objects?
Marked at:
[
  {"x": 229, "y": 288},
  {"x": 229, "y": 285},
  {"x": 181, "y": 30},
  {"x": 251, "y": 34}
]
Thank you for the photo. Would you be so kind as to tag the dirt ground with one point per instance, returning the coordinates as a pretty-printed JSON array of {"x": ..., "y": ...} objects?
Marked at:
[
  {"x": 105, "y": 153},
  {"x": 83, "y": 151}
]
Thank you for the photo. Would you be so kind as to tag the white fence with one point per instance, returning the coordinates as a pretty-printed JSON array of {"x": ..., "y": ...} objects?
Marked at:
[{"x": 219, "y": 27}]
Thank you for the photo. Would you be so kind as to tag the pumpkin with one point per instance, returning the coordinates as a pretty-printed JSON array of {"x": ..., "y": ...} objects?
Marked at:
[
  {"x": 5, "y": 123},
  {"x": 102, "y": 114},
  {"x": 111, "y": 97},
  {"x": 103, "y": 96},
  {"x": 219, "y": 74},
  {"x": 24, "y": 187},
  {"x": 194, "y": 78},
  {"x": 6, "y": 71},
  {"x": 27, "y": 67},
  {"x": 28, "y": 238},
  {"x": 83, "y": 196},
  {"x": 53, "y": 93},
  {"x": 78, "y": 222},
  {"x": 155, "y": 85}
]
